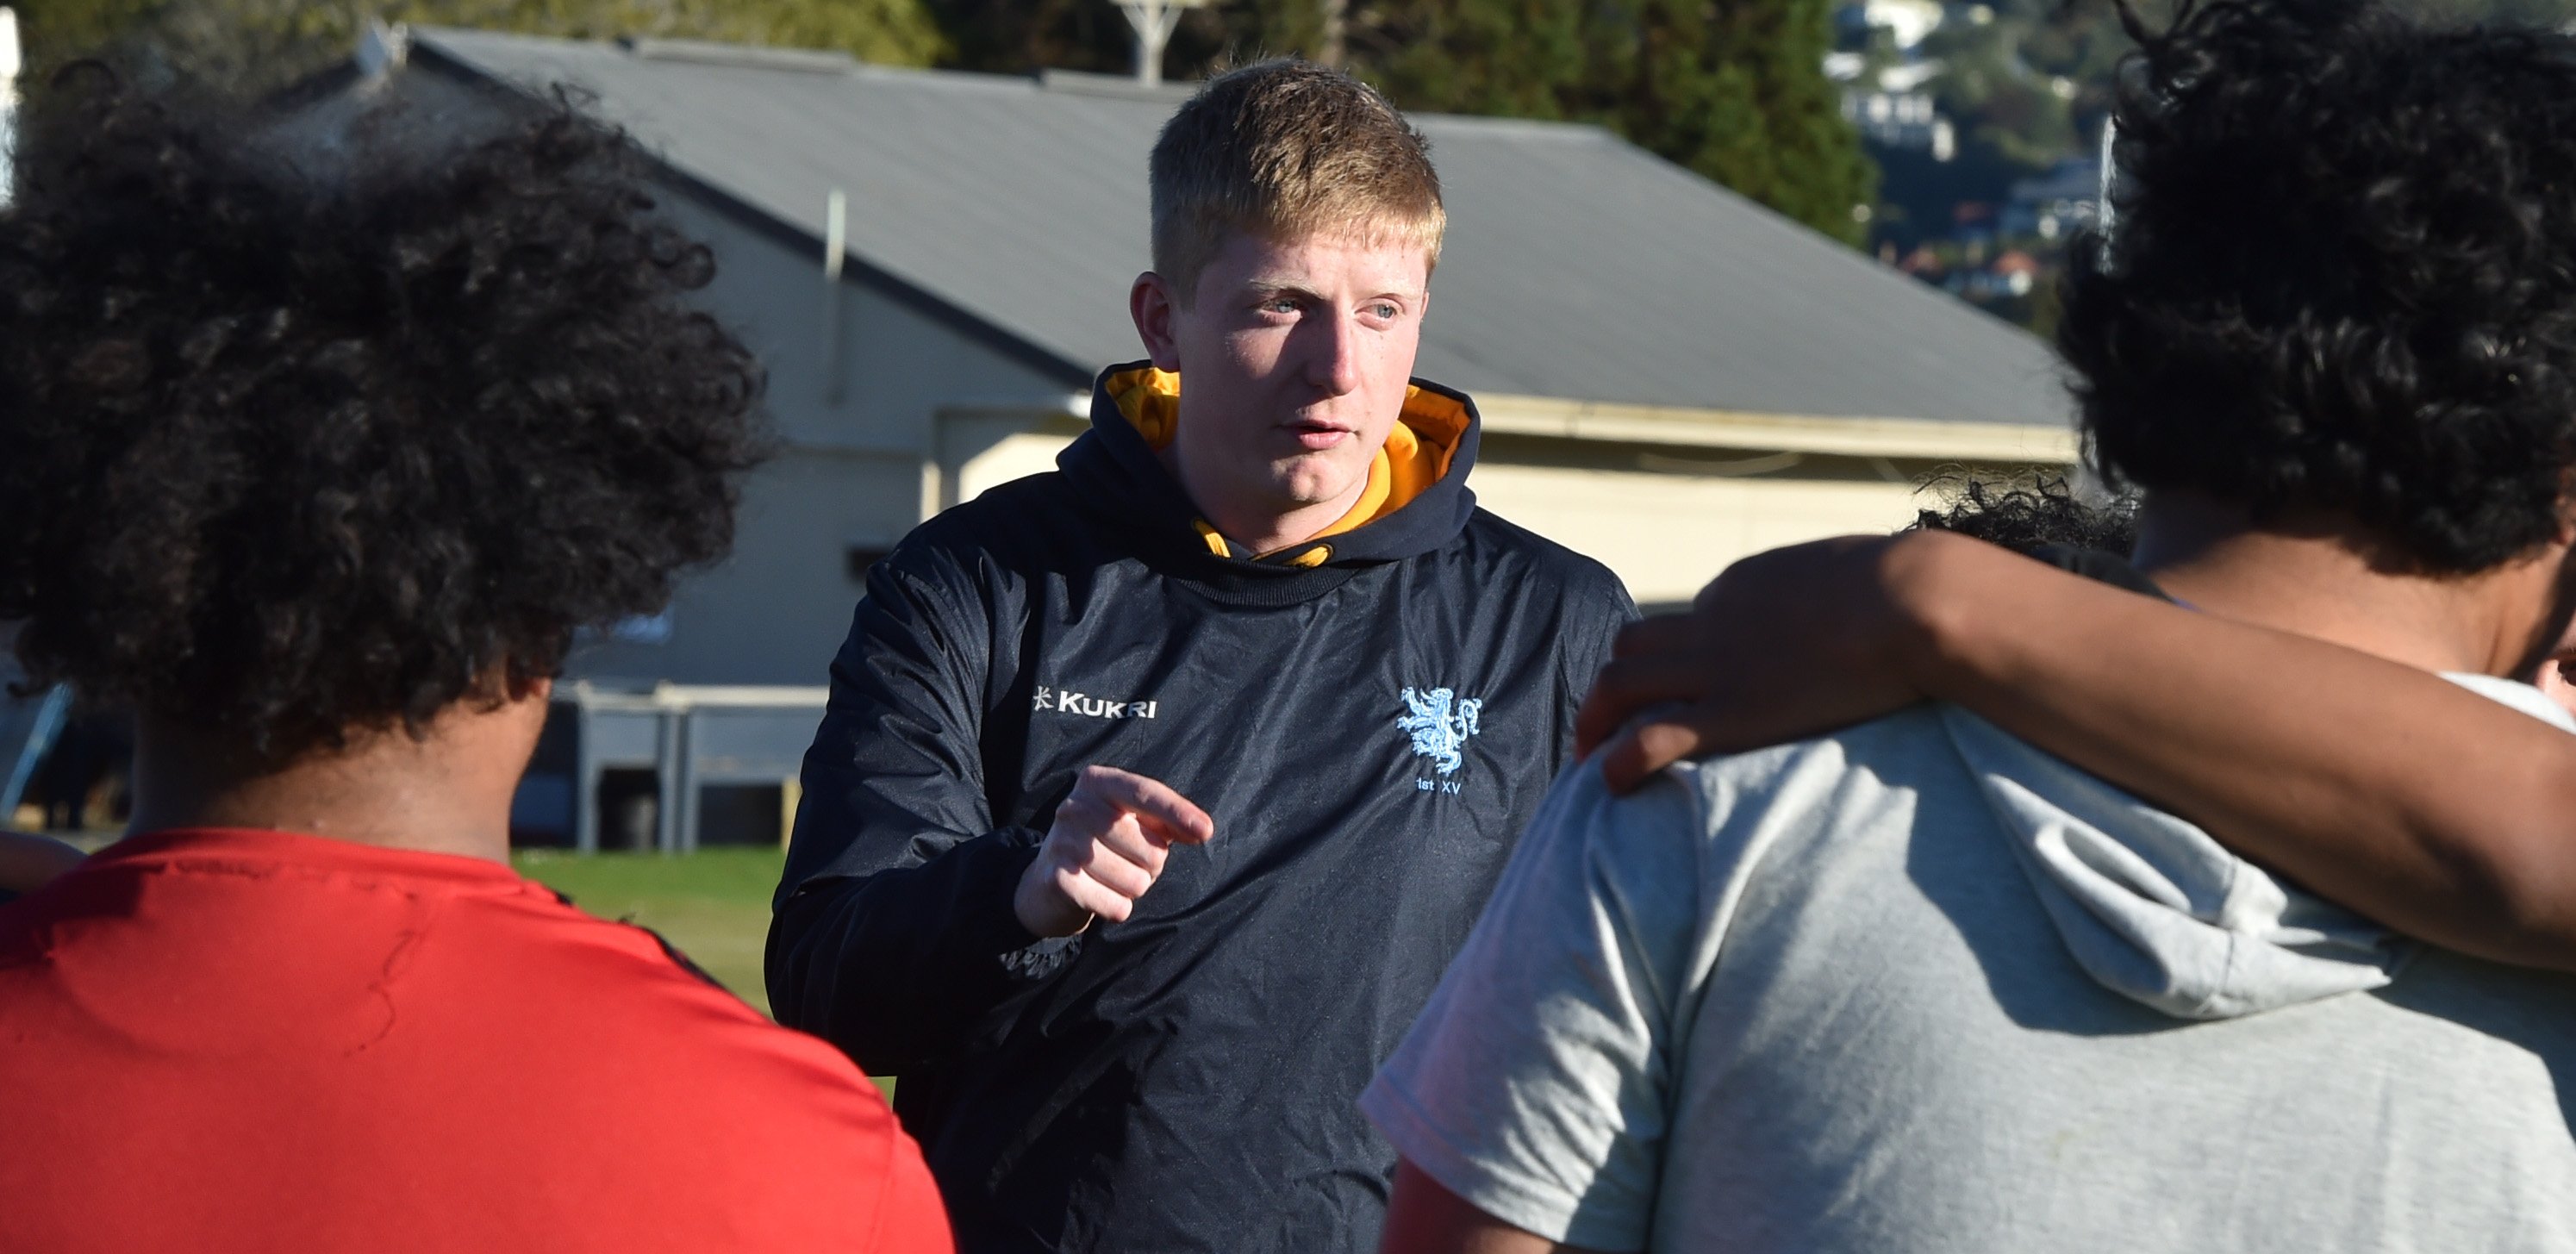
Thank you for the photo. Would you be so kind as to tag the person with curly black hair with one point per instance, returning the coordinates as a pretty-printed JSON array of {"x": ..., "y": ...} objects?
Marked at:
[
  {"x": 318, "y": 444},
  {"x": 2374, "y": 262},
  {"x": 1917, "y": 984}
]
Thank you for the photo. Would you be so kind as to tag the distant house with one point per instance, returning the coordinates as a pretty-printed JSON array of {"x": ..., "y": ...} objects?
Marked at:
[
  {"x": 1671, "y": 376},
  {"x": 2056, "y": 203},
  {"x": 1890, "y": 104},
  {"x": 1895, "y": 116},
  {"x": 2015, "y": 272}
]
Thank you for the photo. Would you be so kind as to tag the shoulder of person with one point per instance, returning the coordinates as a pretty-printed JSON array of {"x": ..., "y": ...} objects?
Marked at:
[
  {"x": 1810, "y": 773},
  {"x": 1713, "y": 816},
  {"x": 756, "y": 1129},
  {"x": 1013, "y": 526},
  {"x": 644, "y": 1004},
  {"x": 1025, "y": 515},
  {"x": 1542, "y": 559}
]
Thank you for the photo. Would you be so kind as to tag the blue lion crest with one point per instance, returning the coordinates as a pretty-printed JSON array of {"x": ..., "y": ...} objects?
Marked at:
[{"x": 1439, "y": 732}]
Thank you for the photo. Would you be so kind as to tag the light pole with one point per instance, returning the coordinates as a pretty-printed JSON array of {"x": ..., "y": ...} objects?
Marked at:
[{"x": 1154, "y": 21}]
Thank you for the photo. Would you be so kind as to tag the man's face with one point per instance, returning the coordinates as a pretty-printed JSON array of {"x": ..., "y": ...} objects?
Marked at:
[{"x": 1294, "y": 356}]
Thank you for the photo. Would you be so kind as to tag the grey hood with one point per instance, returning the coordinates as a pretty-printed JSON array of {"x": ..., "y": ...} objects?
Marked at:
[{"x": 2156, "y": 910}]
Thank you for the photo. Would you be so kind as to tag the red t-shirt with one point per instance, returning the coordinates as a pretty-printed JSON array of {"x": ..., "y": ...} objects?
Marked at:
[{"x": 241, "y": 1040}]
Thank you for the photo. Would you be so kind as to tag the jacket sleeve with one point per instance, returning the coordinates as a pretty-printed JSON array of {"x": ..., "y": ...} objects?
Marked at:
[
  {"x": 1594, "y": 617},
  {"x": 894, "y": 931}
]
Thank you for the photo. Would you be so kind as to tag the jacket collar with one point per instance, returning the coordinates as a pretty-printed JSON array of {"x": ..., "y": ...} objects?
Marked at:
[{"x": 1417, "y": 501}]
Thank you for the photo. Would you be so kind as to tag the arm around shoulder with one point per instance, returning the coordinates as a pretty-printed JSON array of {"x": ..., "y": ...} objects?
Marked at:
[
  {"x": 2384, "y": 788},
  {"x": 2397, "y": 793}
]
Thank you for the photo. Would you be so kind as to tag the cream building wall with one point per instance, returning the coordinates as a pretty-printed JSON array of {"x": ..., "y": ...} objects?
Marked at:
[
  {"x": 1665, "y": 520},
  {"x": 1666, "y": 532}
]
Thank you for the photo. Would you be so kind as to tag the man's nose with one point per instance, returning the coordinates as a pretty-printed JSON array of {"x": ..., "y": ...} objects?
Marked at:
[{"x": 1333, "y": 356}]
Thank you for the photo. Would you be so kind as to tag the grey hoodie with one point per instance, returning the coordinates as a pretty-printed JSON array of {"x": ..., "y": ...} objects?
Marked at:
[{"x": 1920, "y": 986}]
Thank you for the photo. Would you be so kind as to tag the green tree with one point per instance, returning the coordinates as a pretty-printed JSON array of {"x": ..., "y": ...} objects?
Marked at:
[
  {"x": 1736, "y": 90},
  {"x": 261, "y": 44},
  {"x": 1733, "y": 89},
  {"x": 1508, "y": 58}
]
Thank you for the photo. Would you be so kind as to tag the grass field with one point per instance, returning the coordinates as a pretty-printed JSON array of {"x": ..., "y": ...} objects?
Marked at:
[{"x": 713, "y": 905}]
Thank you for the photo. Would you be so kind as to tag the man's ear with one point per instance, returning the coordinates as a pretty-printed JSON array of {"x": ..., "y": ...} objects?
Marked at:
[{"x": 1154, "y": 306}]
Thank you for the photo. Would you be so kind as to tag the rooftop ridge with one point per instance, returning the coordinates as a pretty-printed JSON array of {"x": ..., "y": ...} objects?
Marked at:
[
  {"x": 1119, "y": 86},
  {"x": 745, "y": 56}
]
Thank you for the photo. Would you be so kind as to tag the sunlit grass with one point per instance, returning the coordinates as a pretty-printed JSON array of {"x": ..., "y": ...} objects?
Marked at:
[{"x": 712, "y": 905}]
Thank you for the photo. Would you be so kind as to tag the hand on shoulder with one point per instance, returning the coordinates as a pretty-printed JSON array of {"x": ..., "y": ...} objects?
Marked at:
[{"x": 1784, "y": 645}]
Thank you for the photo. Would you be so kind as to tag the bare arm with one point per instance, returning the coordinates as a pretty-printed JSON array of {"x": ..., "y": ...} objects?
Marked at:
[
  {"x": 1426, "y": 1218},
  {"x": 2430, "y": 808}
]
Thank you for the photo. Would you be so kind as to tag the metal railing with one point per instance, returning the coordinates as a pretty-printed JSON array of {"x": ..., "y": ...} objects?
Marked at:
[{"x": 28, "y": 726}]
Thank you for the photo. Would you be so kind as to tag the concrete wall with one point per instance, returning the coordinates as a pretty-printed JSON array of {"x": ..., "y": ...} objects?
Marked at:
[{"x": 1667, "y": 521}]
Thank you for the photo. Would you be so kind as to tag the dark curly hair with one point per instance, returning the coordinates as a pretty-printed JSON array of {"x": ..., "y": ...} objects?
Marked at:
[
  {"x": 310, "y": 431},
  {"x": 2027, "y": 514},
  {"x": 2342, "y": 274}
]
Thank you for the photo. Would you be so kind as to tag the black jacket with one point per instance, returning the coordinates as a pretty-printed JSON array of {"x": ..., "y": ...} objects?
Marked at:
[{"x": 1370, "y": 726}]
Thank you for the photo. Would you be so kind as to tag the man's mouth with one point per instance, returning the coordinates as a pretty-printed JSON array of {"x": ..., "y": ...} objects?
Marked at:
[{"x": 1317, "y": 435}]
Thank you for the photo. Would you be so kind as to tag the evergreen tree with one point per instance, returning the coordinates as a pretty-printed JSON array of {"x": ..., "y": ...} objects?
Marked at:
[
  {"x": 260, "y": 44},
  {"x": 1508, "y": 58},
  {"x": 1732, "y": 89},
  {"x": 1736, "y": 90}
]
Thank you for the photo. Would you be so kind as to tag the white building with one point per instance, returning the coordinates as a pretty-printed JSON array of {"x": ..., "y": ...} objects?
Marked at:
[
  {"x": 1907, "y": 22},
  {"x": 1671, "y": 377},
  {"x": 1890, "y": 105}
]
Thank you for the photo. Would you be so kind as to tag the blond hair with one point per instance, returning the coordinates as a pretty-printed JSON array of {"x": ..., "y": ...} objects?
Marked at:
[{"x": 1288, "y": 149}]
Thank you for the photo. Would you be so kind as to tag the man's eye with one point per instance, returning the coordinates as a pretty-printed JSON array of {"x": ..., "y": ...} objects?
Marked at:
[
  {"x": 1282, "y": 305},
  {"x": 1385, "y": 310}
]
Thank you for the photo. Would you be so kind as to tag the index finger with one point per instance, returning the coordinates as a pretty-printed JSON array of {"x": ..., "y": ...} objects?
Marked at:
[{"x": 1153, "y": 802}]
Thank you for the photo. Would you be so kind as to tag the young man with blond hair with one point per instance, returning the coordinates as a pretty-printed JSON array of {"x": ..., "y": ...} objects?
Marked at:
[{"x": 1156, "y": 791}]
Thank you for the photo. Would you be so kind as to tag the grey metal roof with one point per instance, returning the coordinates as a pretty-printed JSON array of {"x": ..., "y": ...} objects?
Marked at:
[{"x": 1577, "y": 266}]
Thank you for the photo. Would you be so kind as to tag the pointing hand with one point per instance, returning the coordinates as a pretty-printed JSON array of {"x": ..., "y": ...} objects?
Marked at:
[{"x": 1106, "y": 848}]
